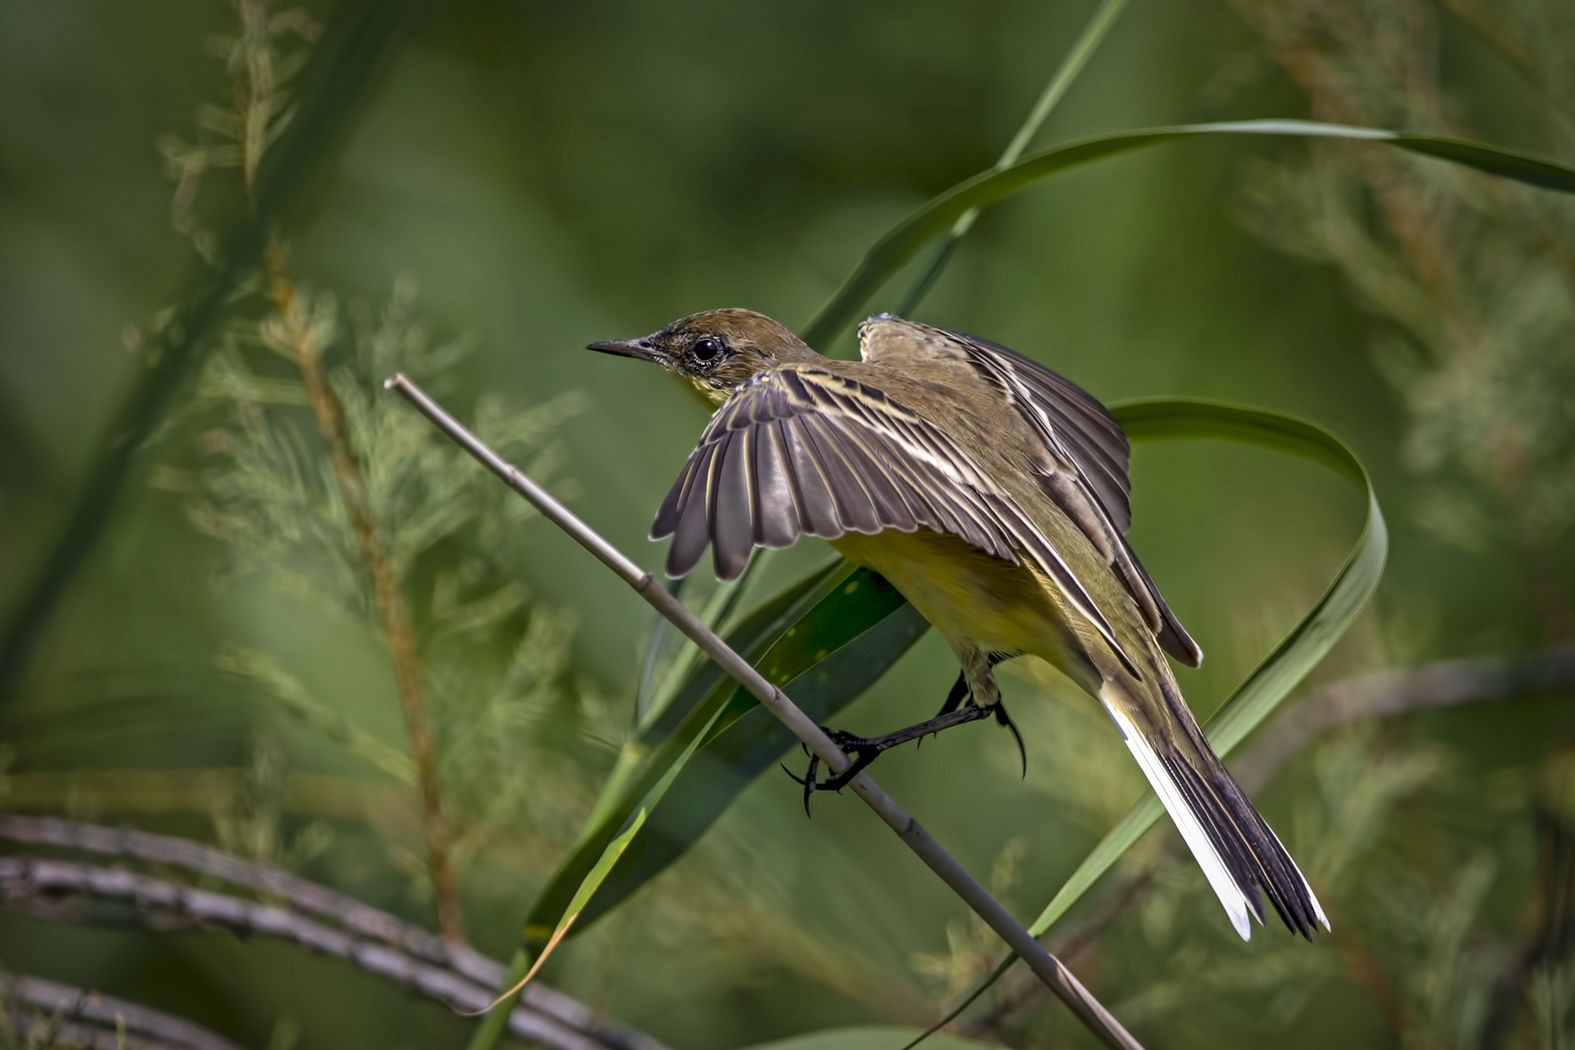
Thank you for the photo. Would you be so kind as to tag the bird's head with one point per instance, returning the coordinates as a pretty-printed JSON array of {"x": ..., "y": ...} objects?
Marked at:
[{"x": 717, "y": 351}]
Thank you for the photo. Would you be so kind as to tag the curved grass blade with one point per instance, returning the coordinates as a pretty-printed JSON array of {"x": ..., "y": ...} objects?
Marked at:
[
  {"x": 938, "y": 214},
  {"x": 1282, "y": 669},
  {"x": 354, "y": 48},
  {"x": 1301, "y": 650},
  {"x": 679, "y": 683},
  {"x": 825, "y": 640}
]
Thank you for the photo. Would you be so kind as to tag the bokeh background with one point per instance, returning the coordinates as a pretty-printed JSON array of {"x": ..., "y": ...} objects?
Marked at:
[{"x": 523, "y": 178}]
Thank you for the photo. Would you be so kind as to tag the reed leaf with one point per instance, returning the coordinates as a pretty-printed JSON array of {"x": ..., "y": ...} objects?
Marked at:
[{"x": 940, "y": 212}]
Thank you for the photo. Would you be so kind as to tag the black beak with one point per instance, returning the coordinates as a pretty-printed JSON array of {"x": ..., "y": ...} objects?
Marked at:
[{"x": 641, "y": 349}]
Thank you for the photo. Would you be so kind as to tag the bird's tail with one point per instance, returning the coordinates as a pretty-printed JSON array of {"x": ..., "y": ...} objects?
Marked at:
[{"x": 1236, "y": 849}]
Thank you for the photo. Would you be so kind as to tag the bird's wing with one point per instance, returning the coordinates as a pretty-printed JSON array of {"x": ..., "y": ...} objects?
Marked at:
[
  {"x": 802, "y": 451},
  {"x": 1085, "y": 471}
]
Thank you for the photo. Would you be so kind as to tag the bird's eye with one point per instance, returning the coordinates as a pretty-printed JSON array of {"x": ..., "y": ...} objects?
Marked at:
[{"x": 707, "y": 349}]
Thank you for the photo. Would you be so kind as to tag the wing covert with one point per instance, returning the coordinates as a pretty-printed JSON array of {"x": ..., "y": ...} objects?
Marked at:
[
  {"x": 1093, "y": 487},
  {"x": 803, "y": 451},
  {"x": 1087, "y": 452}
]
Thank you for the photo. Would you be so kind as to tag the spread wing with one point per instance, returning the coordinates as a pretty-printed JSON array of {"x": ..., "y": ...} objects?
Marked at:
[
  {"x": 803, "y": 451},
  {"x": 1075, "y": 426},
  {"x": 1088, "y": 453},
  {"x": 1096, "y": 492}
]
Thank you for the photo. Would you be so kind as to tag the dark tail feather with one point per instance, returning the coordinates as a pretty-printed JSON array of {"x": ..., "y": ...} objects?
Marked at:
[{"x": 1237, "y": 851}]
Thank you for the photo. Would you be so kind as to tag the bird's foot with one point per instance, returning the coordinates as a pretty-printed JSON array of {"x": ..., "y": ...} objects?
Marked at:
[
  {"x": 864, "y": 750},
  {"x": 861, "y": 750}
]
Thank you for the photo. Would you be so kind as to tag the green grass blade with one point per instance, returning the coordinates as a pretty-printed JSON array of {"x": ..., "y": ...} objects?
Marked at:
[
  {"x": 354, "y": 48},
  {"x": 1301, "y": 650},
  {"x": 604, "y": 864},
  {"x": 937, "y": 215},
  {"x": 661, "y": 735},
  {"x": 1083, "y": 48},
  {"x": 825, "y": 640},
  {"x": 749, "y": 742},
  {"x": 1072, "y": 63},
  {"x": 1501, "y": 162},
  {"x": 1281, "y": 670}
]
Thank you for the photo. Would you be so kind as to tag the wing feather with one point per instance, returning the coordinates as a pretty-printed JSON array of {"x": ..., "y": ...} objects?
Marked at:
[
  {"x": 855, "y": 506},
  {"x": 776, "y": 517},
  {"x": 1088, "y": 478},
  {"x": 805, "y": 451},
  {"x": 818, "y": 510},
  {"x": 732, "y": 534},
  {"x": 690, "y": 529}
]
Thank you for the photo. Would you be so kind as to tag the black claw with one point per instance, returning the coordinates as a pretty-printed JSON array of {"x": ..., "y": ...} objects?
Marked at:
[
  {"x": 863, "y": 751},
  {"x": 1006, "y": 720},
  {"x": 809, "y": 780}
]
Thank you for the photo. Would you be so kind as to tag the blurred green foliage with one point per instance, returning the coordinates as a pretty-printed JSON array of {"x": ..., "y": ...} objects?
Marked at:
[{"x": 546, "y": 175}]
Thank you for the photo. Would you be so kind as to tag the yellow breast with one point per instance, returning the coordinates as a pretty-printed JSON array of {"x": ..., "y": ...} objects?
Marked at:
[{"x": 976, "y": 601}]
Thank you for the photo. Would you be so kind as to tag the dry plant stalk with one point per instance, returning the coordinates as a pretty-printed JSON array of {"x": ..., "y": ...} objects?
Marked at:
[
  {"x": 38, "y": 886},
  {"x": 70, "y": 1016},
  {"x": 358, "y": 919},
  {"x": 391, "y": 613}
]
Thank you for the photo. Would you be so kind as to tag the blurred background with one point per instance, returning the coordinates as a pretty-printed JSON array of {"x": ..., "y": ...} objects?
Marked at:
[{"x": 515, "y": 180}]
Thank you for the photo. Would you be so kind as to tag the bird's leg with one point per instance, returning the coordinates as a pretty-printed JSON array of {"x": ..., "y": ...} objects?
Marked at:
[
  {"x": 977, "y": 679},
  {"x": 865, "y": 750},
  {"x": 954, "y": 699},
  {"x": 959, "y": 693}
]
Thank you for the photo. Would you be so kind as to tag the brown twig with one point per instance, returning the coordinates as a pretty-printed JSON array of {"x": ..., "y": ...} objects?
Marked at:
[
  {"x": 1383, "y": 694},
  {"x": 1550, "y": 934},
  {"x": 76, "y": 1035},
  {"x": 1501, "y": 38},
  {"x": 312, "y": 898},
  {"x": 391, "y": 613},
  {"x": 113, "y": 1024},
  {"x": 1365, "y": 971},
  {"x": 1047, "y": 967},
  {"x": 36, "y": 886}
]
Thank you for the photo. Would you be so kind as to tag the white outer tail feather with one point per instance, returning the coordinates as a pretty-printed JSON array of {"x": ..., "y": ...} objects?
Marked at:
[
  {"x": 1237, "y": 905},
  {"x": 1230, "y": 894}
]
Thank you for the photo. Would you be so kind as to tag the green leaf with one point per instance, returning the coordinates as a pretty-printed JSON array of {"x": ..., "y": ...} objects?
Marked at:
[
  {"x": 1288, "y": 664},
  {"x": 938, "y": 214},
  {"x": 825, "y": 641},
  {"x": 1282, "y": 669},
  {"x": 611, "y": 853},
  {"x": 1083, "y": 48},
  {"x": 660, "y": 737},
  {"x": 869, "y": 1038}
]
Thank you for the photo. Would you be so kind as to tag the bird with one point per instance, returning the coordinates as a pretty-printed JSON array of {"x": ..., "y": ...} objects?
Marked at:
[{"x": 994, "y": 494}]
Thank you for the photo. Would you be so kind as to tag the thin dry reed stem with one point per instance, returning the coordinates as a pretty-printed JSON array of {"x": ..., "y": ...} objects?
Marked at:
[{"x": 391, "y": 614}]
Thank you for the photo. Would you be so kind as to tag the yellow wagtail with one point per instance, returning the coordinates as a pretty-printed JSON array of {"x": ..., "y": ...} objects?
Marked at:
[{"x": 994, "y": 495}]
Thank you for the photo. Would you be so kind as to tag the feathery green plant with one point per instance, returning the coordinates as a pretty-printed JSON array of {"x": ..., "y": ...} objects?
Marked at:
[
  {"x": 271, "y": 496},
  {"x": 353, "y": 49}
]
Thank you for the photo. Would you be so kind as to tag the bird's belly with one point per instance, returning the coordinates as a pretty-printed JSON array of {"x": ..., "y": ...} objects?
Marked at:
[{"x": 977, "y": 601}]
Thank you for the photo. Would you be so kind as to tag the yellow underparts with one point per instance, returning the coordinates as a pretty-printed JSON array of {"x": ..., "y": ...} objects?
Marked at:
[{"x": 978, "y": 602}]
